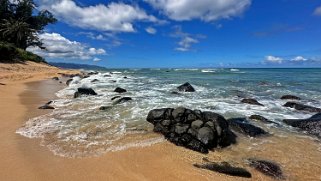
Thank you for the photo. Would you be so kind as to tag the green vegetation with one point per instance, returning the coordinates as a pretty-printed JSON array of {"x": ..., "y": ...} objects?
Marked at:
[{"x": 20, "y": 25}]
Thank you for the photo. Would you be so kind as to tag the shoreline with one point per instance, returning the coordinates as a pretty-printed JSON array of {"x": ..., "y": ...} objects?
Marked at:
[{"x": 26, "y": 159}]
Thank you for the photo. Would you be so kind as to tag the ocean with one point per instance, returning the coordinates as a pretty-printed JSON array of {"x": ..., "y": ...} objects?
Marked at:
[{"x": 77, "y": 128}]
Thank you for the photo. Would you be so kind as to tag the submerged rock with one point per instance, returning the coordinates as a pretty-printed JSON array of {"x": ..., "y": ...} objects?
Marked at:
[
  {"x": 268, "y": 168},
  {"x": 113, "y": 98},
  {"x": 95, "y": 80},
  {"x": 196, "y": 130},
  {"x": 241, "y": 125},
  {"x": 122, "y": 100},
  {"x": 46, "y": 106},
  {"x": 105, "y": 108},
  {"x": 301, "y": 107},
  {"x": 290, "y": 97},
  {"x": 251, "y": 101},
  {"x": 261, "y": 119},
  {"x": 225, "y": 168},
  {"x": 55, "y": 78},
  {"x": 84, "y": 91},
  {"x": 120, "y": 90},
  {"x": 311, "y": 125},
  {"x": 187, "y": 87}
]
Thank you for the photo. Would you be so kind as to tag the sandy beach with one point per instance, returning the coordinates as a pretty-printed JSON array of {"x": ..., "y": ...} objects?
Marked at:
[{"x": 25, "y": 159}]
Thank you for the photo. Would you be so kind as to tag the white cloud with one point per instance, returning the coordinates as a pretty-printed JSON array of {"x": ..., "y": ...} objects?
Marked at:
[
  {"x": 118, "y": 17},
  {"x": 96, "y": 59},
  {"x": 58, "y": 46},
  {"x": 186, "y": 43},
  {"x": 299, "y": 59},
  {"x": 273, "y": 59},
  {"x": 186, "y": 40},
  {"x": 206, "y": 10},
  {"x": 317, "y": 11},
  {"x": 151, "y": 30}
]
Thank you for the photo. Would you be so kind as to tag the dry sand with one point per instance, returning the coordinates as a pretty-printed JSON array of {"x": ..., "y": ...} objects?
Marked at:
[{"x": 24, "y": 159}]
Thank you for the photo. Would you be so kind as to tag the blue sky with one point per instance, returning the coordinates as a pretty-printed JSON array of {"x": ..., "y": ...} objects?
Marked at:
[{"x": 184, "y": 33}]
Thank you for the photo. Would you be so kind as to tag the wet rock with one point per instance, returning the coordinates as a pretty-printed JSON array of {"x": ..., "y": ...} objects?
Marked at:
[
  {"x": 105, "y": 108},
  {"x": 55, "y": 78},
  {"x": 125, "y": 77},
  {"x": 251, "y": 101},
  {"x": 95, "y": 80},
  {"x": 116, "y": 97},
  {"x": 261, "y": 119},
  {"x": 241, "y": 125},
  {"x": 301, "y": 107},
  {"x": 122, "y": 100},
  {"x": 84, "y": 91},
  {"x": 46, "y": 106},
  {"x": 113, "y": 81},
  {"x": 196, "y": 130},
  {"x": 187, "y": 87},
  {"x": 268, "y": 168},
  {"x": 120, "y": 90},
  {"x": 225, "y": 168},
  {"x": 69, "y": 81},
  {"x": 107, "y": 75},
  {"x": 311, "y": 125},
  {"x": 290, "y": 97}
]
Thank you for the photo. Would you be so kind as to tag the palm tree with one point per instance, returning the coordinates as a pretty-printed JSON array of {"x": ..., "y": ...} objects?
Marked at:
[{"x": 17, "y": 32}]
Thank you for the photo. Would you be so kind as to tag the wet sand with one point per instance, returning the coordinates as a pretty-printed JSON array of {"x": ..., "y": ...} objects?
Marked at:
[{"x": 25, "y": 159}]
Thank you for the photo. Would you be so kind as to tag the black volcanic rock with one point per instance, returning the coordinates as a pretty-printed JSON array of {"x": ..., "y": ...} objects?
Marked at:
[
  {"x": 268, "y": 168},
  {"x": 290, "y": 97},
  {"x": 84, "y": 91},
  {"x": 241, "y": 125},
  {"x": 120, "y": 90},
  {"x": 196, "y": 130},
  {"x": 251, "y": 101},
  {"x": 187, "y": 87},
  {"x": 311, "y": 125},
  {"x": 225, "y": 168},
  {"x": 55, "y": 78},
  {"x": 301, "y": 107}
]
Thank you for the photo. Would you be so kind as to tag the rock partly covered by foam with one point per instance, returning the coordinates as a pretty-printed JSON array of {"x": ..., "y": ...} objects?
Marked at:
[
  {"x": 301, "y": 107},
  {"x": 291, "y": 97},
  {"x": 69, "y": 81},
  {"x": 261, "y": 119},
  {"x": 120, "y": 90},
  {"x": 251, "y": 101},
  {"x": 241, "y": 125},
  {"x": 311, "y": 125},
  {"x": 47, "y": 106},
  {"x": 196, "y": 130},
  {"x": 84, "y": 91},
  {"x": 187, "y": 87},
  {"x": 268, "y": 168}
]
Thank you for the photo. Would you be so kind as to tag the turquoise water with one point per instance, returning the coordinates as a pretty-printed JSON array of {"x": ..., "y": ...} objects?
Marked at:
[{"x": 78, "y": 128}]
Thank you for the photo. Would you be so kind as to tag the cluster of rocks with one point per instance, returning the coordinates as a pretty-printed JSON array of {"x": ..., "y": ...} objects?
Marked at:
[{"x": 196, "y": 130}]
